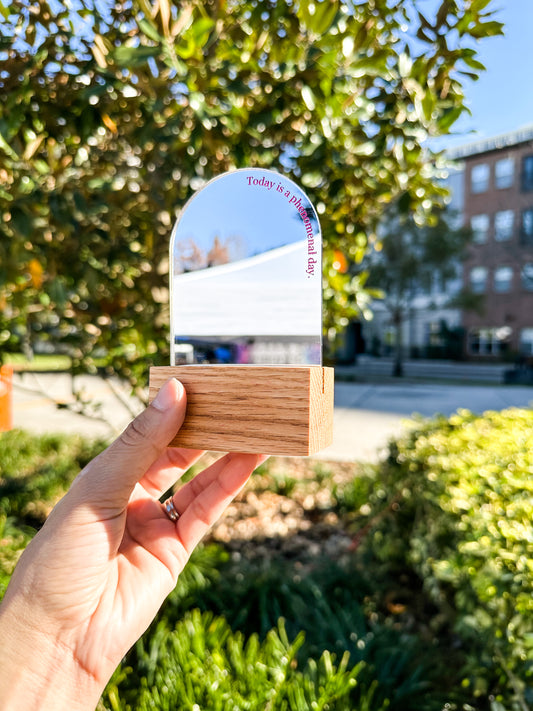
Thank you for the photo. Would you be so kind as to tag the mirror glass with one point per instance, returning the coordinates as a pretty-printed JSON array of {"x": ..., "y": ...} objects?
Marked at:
[{"x": 246, "y": 273}]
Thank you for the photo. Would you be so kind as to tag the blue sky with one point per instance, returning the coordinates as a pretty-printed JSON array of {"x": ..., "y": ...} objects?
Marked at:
[
  {"x": 249, "y": 218},
  {"x": 502, "y": 99}
]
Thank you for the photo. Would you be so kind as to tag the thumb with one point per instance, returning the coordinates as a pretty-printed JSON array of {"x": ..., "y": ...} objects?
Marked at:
[{"x": 110, "y": 478}]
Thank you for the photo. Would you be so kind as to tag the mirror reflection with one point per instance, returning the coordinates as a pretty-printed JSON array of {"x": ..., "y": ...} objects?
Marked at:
[{"x": 246, "y": 257}]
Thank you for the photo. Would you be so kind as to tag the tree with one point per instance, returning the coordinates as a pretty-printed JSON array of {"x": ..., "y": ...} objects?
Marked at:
[
  {"x": 413, "y": 259},
  {"x": 112, "y": 114}
]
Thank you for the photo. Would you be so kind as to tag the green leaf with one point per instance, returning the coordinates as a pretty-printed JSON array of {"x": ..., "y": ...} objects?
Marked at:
[
  {"x": 312, "y": 179},
  {"x": 449, "y": 118},
  {"x": 487, "y": 29},
  {"x": 134, "y": 56},
  {"x": 308, "y": 97},
  {"x": 21, "y": 223},
  {"x": 201, "y": 29},
  {"x": 325, "y": 15},
  {"x": 318, "y": 15},
  {"x": 4, "y": 146},
  {"x": 428, "y": 104},
  {"x": 474, "y": 64},
  {"x": 479, "y": 5},
  {"x": 150, "y": 31}
]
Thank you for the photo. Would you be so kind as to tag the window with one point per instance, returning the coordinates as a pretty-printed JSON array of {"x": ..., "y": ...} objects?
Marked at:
[
  {"x": 479, "y": 178},
  {"x": 526, "y": 341},
  {"x": 478, "y": 279},
  {"x": 504, "y": 173},
  {"x": 527, "y": 226},
  {"x": 503, "y": 277},
  {"x": 527, "y": 173},
  {"x": 527, "y": 276},
  {"x": 503, "y": 225},
  {"x": 489, "y": 341},
  {"x": 480, "y": 227},
  {"x": 434, "y": 333}
]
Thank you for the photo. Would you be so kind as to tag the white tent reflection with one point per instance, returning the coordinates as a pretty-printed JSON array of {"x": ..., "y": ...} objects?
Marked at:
[{"x": 258, "y": 296}]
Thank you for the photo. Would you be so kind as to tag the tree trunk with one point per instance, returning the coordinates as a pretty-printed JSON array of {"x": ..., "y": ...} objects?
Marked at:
[{"x": 397, "y": 370}]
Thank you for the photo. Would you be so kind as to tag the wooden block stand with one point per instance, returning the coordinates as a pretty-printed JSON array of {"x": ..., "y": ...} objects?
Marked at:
[{"x": 285, "y": 410}]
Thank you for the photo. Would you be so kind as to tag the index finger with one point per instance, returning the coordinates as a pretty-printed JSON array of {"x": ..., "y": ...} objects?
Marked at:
[
  {"x": 108, "y": 481},
  {"x": 167, "y": 469},
  {"x": 211, "y": 502}
]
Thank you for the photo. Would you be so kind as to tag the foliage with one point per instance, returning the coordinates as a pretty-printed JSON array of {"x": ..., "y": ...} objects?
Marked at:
[
  {"x": 413, "y": 260},
  {"x": 457, "y": 495},
  {"x": 36, "y": 471},
  {"x": 203, "y": 664},
  {"x": 13, "y": 539},
  {"x": 330, "y": 602},
  {"x": 112, "y": 115},
  {"x": 34, "y": 474},
  {"x": 429, "y": 607},
  {"x": 38, "y": 363}
]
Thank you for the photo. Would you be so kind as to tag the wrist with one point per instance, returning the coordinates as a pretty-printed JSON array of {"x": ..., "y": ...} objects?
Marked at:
[{"x": 38, "y": 671}]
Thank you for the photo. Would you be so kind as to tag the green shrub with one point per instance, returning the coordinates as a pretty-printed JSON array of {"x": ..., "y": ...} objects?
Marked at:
[
  {"x": 13, "y": 540},
  {"x": 454, "y": 500},
  {"x": 34, "y": 473},
  {"x": 330, "y": 602},
  {"x": 202, "y": 664},
  {"x": 37, "y": 470}
]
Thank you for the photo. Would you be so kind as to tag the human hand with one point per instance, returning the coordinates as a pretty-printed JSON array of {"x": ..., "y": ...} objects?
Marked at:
[{"x": 93, "y": 578}]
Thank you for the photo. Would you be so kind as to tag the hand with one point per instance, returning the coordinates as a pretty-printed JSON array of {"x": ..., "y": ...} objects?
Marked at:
[{"x": 93, "y": 578}]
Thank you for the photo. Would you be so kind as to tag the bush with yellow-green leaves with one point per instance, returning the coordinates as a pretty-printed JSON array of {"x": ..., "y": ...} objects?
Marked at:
[{"x": 456, "y": 498}]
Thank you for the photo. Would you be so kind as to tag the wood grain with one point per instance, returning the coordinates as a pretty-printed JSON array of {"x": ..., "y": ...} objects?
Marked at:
[{"x": 286, "y": 410}]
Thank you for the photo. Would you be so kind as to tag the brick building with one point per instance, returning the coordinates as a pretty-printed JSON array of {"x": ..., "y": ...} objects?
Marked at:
[
  {"x": 498, "y": 204},
  {"x": 428, "y": 314}
]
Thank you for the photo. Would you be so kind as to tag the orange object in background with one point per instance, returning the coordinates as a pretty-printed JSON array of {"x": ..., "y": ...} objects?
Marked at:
[
  {"x": 340, "y": 263},
  {"x": 6, "y": 398}
]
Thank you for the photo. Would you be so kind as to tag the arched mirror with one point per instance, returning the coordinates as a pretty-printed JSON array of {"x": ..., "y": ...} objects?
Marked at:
[{"x": 246, "y": 274}]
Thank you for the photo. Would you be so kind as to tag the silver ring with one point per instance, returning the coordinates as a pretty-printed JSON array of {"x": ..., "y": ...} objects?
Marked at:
[{"x": 170, "y": 509}]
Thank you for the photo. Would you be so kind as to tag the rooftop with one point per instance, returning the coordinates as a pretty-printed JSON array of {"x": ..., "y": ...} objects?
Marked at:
[{"x": 484, "y": 145}]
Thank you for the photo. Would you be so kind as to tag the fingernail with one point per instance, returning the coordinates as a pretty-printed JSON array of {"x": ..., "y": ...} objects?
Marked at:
[{"x": 168, "y": 395}]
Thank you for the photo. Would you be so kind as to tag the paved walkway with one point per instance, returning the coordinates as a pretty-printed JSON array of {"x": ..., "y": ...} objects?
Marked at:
[
  {"x": 45, "y": 402},
  {"x": 451, "y": 371},
  {"x": 367, "y": 415}
]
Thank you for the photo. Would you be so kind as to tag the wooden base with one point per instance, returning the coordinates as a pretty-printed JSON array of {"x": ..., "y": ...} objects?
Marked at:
[{"x": 286, "y": 410}]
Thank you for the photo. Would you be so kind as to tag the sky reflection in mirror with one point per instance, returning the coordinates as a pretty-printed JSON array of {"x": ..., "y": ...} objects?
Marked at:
[{"x": 247, "y": 273}]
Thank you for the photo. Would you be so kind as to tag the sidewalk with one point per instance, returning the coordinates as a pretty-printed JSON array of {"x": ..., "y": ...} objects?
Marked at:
[
  {"x": 451, "y": 371},
  {"x": 43, "y": 402},
  {"x": 367, "y": 414}
]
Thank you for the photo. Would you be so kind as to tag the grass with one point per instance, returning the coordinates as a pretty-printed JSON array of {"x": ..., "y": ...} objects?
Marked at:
[{"x": 39, "y": 363}]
